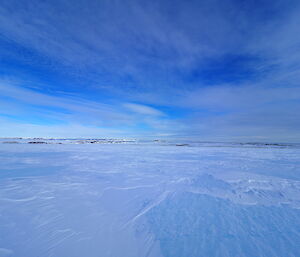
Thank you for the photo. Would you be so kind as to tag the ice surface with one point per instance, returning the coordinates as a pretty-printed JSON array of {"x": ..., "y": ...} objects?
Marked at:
[{"x": 155, "y": 199}]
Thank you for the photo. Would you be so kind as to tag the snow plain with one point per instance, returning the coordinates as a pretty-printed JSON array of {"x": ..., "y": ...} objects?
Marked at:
[{"x": 149, "y": 199}]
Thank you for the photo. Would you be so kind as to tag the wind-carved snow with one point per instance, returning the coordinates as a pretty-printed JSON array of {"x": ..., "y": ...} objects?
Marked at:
[{"x": 152, "y": 199}]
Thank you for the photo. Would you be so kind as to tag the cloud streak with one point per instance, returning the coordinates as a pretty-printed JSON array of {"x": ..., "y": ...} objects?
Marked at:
[
  {"x": 214, "y": 69},
  {"x": 73, "y": 111}
]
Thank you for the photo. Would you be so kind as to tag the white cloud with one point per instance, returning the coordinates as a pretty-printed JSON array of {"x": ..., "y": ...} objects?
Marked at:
[
  {"x": 64, "y": 114},
  {"x": 10, "y": 128},
  {"x": 226, "y": 97},
  {"x": 143, "y": 109},
  {"x": 151, "y": 45}
]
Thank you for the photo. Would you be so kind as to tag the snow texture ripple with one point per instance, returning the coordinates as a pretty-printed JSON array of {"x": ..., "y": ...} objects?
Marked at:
[{"x": 131, "y": 199}]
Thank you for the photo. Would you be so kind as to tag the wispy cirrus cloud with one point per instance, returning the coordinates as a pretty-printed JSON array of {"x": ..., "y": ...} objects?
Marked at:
[
  {"x": 71, "y": 111},
  {"x": 142, "y": 109},
  {"x": 209, "y": 69}
]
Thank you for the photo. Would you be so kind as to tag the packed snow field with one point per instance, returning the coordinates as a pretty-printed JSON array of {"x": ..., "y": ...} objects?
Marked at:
[{"x": 123, "y": 198}]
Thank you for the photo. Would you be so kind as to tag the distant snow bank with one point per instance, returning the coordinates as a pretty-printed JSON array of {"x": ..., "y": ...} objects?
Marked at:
[{"x": 186, "y": 143}]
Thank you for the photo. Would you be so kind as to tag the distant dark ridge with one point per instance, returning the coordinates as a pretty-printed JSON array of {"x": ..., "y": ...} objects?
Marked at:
[{"x": 37, "y": 142}]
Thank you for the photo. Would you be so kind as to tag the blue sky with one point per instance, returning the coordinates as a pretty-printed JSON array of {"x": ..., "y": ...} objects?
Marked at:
[{"x": 218, "y": 70}]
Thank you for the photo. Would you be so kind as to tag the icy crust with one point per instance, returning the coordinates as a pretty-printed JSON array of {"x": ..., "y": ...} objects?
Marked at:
[
  {"x": 136, "y": 200},
  {"x": 264, "y": 191},
  {"x": 188, "y": 224}
]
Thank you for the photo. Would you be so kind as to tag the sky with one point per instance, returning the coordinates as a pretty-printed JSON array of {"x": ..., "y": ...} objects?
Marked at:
[{"x": 215, "y": 70}]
